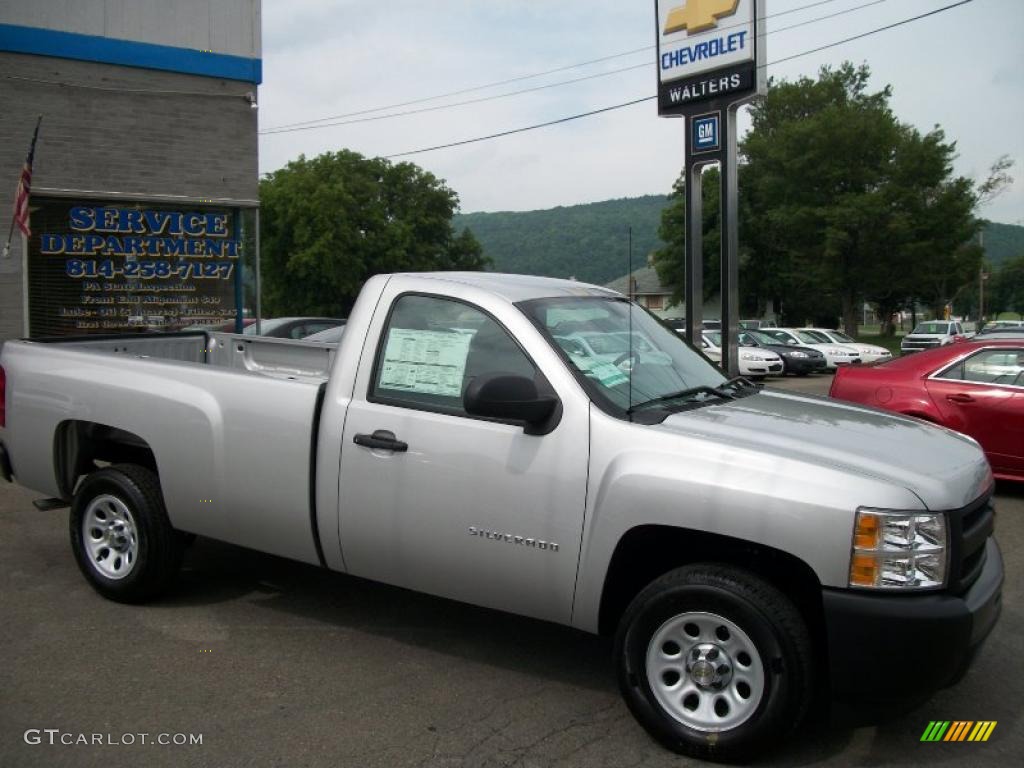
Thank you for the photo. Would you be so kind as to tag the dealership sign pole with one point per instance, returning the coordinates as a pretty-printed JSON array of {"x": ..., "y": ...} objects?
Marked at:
[{"x": 710, "y": 61}]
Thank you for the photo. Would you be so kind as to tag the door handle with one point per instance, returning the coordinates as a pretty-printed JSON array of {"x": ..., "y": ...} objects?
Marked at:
[
  {"x": 960, "y": 398},
  {"x": 382, "y": 439}
]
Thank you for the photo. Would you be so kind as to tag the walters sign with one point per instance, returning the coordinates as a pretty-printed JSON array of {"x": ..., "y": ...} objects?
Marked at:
[
  {"x": 708, "y": 50},
  {"x": 103, "y": 268}
]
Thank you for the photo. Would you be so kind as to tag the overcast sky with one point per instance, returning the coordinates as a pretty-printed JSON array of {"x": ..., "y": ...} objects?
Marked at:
[{"x": 962, "y": 69}]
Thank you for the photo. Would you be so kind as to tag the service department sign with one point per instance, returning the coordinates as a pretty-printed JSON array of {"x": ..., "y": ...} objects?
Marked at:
[
  {"x": 708, "y": 50},
  {"x": 99, "y": 267}
]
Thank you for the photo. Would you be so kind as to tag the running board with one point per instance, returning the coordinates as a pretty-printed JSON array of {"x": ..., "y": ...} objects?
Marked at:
[{"x": 45, "y": 505}]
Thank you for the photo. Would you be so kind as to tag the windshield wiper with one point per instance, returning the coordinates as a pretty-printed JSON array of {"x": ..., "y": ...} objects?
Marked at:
[{"x": 701, "y": 390}]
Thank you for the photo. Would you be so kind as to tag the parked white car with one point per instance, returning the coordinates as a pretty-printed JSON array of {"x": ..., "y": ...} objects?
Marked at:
[
  {"x": 869, "y": 353},
  {"x": 755, "y": 363},
  {"x": 836, "y": 355}
]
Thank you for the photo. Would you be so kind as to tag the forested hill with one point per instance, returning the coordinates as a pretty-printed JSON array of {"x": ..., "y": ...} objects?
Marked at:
[
  {"x": 589, "y": 241},
  {"x": 1002, "y": 242}
]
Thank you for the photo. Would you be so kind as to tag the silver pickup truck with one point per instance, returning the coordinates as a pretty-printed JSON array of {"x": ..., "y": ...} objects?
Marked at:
[{"x": 546, "y": 448}]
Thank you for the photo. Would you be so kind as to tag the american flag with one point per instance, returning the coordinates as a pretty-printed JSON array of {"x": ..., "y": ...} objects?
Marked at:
[{"x": 21, "y": 198}]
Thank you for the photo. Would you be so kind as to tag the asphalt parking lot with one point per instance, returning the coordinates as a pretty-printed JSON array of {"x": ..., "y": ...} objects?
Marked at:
[{"x": 277, "y": 663}]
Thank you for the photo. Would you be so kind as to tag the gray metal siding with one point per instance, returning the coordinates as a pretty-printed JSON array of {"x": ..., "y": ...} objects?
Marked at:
[
  {"x": 194, "y": 146},
  {"x": 224, "y": 26}
]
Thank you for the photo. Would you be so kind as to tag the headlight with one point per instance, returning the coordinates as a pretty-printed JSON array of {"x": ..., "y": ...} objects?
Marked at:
[
  {"x": 751, "y": 356},
  {"x": 797, "y": 353},
  {"x": 837, "y": 352},
  {"x": 899, "y": 550}
]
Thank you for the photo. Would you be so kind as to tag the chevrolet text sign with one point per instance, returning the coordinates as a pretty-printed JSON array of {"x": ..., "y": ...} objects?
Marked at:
[{"x": 708, "y": 49}]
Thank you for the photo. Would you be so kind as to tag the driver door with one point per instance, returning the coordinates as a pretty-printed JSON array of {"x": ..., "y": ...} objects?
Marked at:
[
  {"x": 983, "y": 396},
  {"x": 472, "y": 509}
]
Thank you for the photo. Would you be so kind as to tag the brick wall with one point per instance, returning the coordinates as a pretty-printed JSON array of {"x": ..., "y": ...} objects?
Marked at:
[{"x": 200, "y": 144}]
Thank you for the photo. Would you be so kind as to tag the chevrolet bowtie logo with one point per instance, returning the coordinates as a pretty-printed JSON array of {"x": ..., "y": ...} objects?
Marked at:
[{"x": 698, "y": 15}]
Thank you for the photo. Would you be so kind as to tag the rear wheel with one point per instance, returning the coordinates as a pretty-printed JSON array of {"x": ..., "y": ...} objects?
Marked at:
[
  {"x": 714, "y": 662},
  {"x": 121, "y": 536}
]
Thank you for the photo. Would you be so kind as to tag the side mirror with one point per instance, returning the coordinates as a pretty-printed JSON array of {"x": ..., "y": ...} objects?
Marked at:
[{"x": 511, "y": 397}]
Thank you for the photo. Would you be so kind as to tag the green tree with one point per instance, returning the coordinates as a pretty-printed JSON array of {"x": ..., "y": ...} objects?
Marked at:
[
  {"x": 1006, "y": 288},
  {"x": 845, "y": 203},
  {"x": 669, "y": 259},
  {"x": 330, "y": 222}
]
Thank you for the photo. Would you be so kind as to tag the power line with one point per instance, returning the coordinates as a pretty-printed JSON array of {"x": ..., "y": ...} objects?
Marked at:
[
  {"x": 373, "y": 118},
  {"x": 651, "y": 98},
  {"x": 495, "y": 84}
]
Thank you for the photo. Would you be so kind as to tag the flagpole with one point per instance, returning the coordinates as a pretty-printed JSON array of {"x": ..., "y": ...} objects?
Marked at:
[{"x": 28, "y": 164}]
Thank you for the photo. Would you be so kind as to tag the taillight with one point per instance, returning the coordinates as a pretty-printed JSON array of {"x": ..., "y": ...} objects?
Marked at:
[{"x": 3, "y": 397}]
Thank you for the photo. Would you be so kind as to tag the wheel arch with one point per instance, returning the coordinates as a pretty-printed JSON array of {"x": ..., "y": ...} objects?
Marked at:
[
  {"x": 78, "y": 445},
  {"x": 648, "y": 551}
]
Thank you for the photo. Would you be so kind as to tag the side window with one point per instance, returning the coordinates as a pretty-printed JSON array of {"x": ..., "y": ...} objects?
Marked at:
[
  {"x": 432, "y": 348},
  {"x": 993, "y": 366}
]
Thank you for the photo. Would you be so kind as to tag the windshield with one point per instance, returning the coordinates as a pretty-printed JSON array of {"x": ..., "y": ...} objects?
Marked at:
[
  {"x": 760, "y": 337},
  {"x": 783, "y": 337},
  {"x": 932, "y": 328},
  {"x": 747, "y": 339},
  {"x": 593, "y": 333},
  {"x": 714, "y": 338},
  {"x": 842, "y": 337},
  {"x": 815, "y": 337},
  {"x": 266, "y": 326}
]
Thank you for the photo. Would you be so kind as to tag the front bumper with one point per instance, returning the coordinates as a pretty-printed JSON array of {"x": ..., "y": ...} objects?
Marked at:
[
  {"x": 890, "y": 648},
  {"x": 804, "y": 364}
]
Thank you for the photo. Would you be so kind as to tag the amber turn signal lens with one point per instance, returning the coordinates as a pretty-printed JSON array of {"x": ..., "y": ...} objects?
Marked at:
[
  {"x": 863, "y": 571},
  {"x": 868, "y": 530}
]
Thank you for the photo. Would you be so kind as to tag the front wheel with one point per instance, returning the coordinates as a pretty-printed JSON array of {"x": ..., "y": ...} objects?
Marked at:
[
  {"x": 714, "y": 662},
  {"x": 121, "y": 536}
]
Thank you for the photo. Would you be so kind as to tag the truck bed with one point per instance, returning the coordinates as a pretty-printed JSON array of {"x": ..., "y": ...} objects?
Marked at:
[
  {"x": 230, "y": 420},
  {"x": 279, "y": 358}
]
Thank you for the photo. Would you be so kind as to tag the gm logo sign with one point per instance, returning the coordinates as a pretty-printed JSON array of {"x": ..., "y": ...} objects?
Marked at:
[
  {"x": 706, "y": 136},
  {"x": 698, "y": 15}
]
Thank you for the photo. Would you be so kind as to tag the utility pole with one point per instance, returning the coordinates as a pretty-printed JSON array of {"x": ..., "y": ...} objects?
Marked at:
[{"x": 981, "y": 280}]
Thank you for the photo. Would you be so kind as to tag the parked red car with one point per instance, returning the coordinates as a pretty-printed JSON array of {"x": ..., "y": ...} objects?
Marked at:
[{"x": 976, "y": 388}]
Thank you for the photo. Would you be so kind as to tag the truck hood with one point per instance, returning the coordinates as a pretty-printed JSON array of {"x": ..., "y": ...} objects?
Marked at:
[{"x": 946, "y": 470}]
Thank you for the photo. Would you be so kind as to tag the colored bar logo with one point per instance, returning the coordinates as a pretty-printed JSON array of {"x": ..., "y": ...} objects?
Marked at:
[{"x": 958, "y": 730}]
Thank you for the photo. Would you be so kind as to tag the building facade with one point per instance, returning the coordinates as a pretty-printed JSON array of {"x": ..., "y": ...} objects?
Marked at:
[{"x": 143, "y": 206}]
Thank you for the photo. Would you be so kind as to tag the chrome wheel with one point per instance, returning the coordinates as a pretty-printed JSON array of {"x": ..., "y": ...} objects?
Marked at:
[
  {"x": 705, "y": 671},
  {"x": 110, "y": 536}
]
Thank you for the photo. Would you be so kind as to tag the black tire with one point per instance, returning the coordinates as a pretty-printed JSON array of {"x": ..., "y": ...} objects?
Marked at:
[
  {"x": 771, "y": 623},
  {"x": 159, "y": 548}
]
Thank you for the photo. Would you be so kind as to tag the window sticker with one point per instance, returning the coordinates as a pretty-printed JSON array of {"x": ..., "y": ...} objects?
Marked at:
[
  {"x": 425, "y": 362},
  {"x": 607, "y": 374}
]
